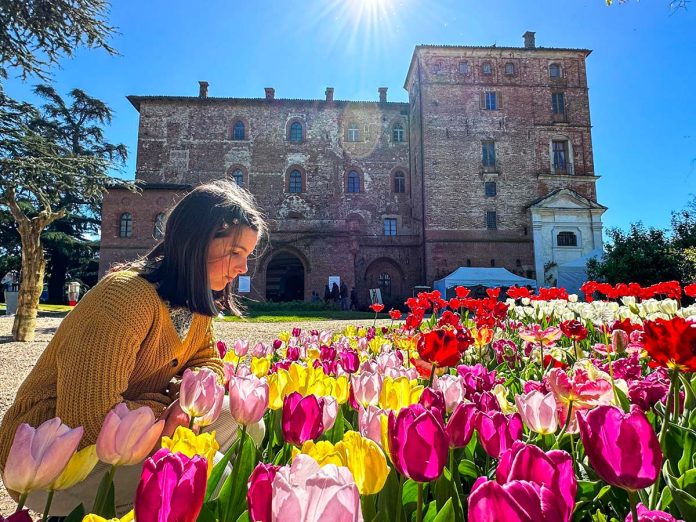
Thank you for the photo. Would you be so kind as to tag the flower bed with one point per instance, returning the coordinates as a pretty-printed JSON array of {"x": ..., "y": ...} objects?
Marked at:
[{"x": 537, "y": 408}]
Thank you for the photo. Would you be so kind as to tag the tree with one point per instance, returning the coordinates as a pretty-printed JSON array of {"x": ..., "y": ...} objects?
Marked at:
[
  {"x": 41, "y": 181},
  {"x": 35, "y": 34}
]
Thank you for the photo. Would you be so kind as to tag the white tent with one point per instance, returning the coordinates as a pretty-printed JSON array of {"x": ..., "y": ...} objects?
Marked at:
[
  {"x": 487, "y": 277},
  {"x": 573, "y": 274}
]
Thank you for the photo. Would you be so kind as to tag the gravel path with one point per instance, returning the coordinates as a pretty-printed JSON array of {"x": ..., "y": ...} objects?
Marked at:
[{"x": 17, "y": 359}]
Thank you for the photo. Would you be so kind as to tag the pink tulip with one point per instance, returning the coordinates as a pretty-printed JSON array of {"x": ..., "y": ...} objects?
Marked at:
[
  {"x": 497, "y": 432},
  {"x": 248, "y": 399},
  {"x": 38, "y": 455},
  {"x": 460, "y": 426},
  {"x": 260, "y": 350},
  {"x": 452, "y": 388},
  {"x": 538, "y": 411},
  {"x": 330, "y": 412},
  {"x": 306, "y": 492},
  {"x": 302, "y": 418},
  {"x": 127, "y": 436},
  {"x": 260, "y": 492},
  {"x": 241, "y": 348},
  {"x": 369, "y": 422},
  {"x": 366, "y": 387},
  {"x": 646, "y": 515},
  {"x": 546, "y": 337},
  {"x": 581, "y": 390},
  {"x": 200, "y": 393},
  {"x": 171, "y": 488},
  {"x": 553, "y": 470},
  {"x": 621, "y": 447},
  {"x": 418, "y": 443}
]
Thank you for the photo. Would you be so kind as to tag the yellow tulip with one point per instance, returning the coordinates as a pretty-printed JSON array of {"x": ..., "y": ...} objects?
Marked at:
[
  {"x": 313, "y": 353},
  {"x": 506, "y": 406},
  {"x": 260, "y": 366},
  {"x": 79, "y": 466},
  {"x": 323, "y": 452},
  {"x": 340, "y": 389},
  {"x": 297, "y": 379},
  {"x": 232, "y": 358},
  {"x": 284, "y": 336},
  {"x": 277, "y": 388},
  {"x": 190, "y": 444},
  {"x": 399, "y": 393},
  {"x": 365, "y": 460},
  {"x": 362, "y": 331},
  {"x": 128, "y": 517}
]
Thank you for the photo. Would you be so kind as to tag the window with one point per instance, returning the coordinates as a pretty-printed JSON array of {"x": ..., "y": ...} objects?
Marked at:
[
  {"x": 126, "y": 228},
  {"x": 490, "y": 100},
  {"x": 490, "y": 188},
  {"x": 437, "y": 67},
  {"x": 491, "y": 220},
  {"x": 510, "y": 69},
  {"x": 518, "y": 263},
  {"x": 399, "y": 182},
  {"x": 384, "y": 281},
  {"x": 238, "y": 130},
  {"x": 567, "y": 239},
  {"x": 554, "y": 71},
  {"x": 560, "y": 156},
  {"x": 296, "y": 132},
  {"x": 468, "y": 262},
  {"x": 295, "y": 182},
  {"x": 463, "y": 67},
  {"x": 389, "y": 226},
  {"x": 353, "y": 182},
  {"x": 398, "y": 133},
  {"x": 487, "y": 68},
  {"x": 558, "y": 103},
  {"x": 492, "y": 262},
  {"x": 158, "y": 230},
  {"x": 353, "y": 132},
  {"x": 488, "y": 153},
  {"x": 238, "y": 177}
]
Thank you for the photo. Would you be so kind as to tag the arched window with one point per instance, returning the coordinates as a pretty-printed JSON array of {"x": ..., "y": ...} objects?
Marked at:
[
  {"x": 353, "y": 182},
  {"x": 399, "y": 182},
  {"x": 126, "y": 228},
  {"x": 353, "y": 132},
  {"x": 510, "y": 69},
  {"x": 238, "y": 177},
  {"x": 385, "y": 284},
  {"x": 554, "y": 71},
  {"x": 238, "y": 130},
  {"x": 295, "y": 132},
  {"x": 295, "y": 182},
  {"x": 158, "y": 229},
  {"x": 398, "y": 133},
  {"x": 567, "y": 239}
]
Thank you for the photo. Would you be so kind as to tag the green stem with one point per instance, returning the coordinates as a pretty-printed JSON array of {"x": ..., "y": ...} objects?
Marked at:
[
  {"x": 432, "y": 376},
  {"x": 22, "y": 500},
  {"x": 49, "y": 499},
  {"x": 673, "y": 383},
  {"x": 191, "y": 421},
  {"x": 633, "y": 501},
  {"x": 399, "y": 507},
  {"x": 565, "y": 426},
  {"x": 235, "y": 468},
  {"x": 419, "y": 505}
]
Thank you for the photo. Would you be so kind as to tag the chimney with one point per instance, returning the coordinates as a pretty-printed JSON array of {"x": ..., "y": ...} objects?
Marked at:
[
  {"x": 382, "y": 95},
  {"x": 270, "y": 93},
  {"x": 202, "y": 89},
  {"x": 329, "y": 94},
  {"x": 529, "y": 42}
]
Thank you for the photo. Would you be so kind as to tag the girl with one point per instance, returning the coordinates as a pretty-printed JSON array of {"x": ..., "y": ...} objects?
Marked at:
[{"x": 132, "y": 336}]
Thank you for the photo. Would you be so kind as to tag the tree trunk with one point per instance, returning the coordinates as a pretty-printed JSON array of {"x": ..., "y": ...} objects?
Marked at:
[{"x": 31, "y": 284}]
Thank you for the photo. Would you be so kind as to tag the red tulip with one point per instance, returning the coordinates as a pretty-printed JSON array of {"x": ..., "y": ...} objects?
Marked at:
[
  {"x": 376, "y": 307},
  {"x": 260, "y": 492},
  {"x": 418, "y": 444},
  {"x": 671, "y": 343},
  {"x": 497, "y": 432},
  {"x": 395, "y": 314},
  {"x": 442, "y": 346},
  {"x": 573, "y": 330},
  {"x": 172, "y": 487},
  {"x": 302, "y": 418},
  {"x": 621, "y": 447}
]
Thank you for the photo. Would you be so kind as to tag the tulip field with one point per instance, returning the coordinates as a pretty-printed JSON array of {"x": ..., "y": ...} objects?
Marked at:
[{"x": 542, "y": 407}]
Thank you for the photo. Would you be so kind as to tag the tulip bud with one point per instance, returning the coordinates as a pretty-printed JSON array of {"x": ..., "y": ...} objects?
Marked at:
[
  {"x": 302, "y": 418},
  {"x": 248, "y": 399},
  {"x": 200, "y": 393},
  {"x": 260, "y": 492},
  {"x": 127, "y": 436}
]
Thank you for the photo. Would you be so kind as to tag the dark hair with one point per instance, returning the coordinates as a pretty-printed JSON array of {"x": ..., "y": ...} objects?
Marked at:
[{"x": 178, "y": 264}]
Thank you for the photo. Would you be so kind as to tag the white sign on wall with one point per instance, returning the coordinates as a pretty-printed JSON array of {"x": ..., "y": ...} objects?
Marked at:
[
  {"x": 375, "y": 296},
  {"x": 334, "y": 279}
]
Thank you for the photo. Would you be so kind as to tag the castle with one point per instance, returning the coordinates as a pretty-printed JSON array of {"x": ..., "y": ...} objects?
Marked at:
[{"x": 489, "y": 164}]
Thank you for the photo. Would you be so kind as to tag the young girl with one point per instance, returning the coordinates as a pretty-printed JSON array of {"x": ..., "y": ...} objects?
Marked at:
[{"x": 132, "y": 336}]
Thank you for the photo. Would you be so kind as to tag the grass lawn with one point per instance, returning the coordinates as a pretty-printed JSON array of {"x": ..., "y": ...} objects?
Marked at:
[
  {"x": 290, "y": 316},
  {"x": 47, "y": 308}
]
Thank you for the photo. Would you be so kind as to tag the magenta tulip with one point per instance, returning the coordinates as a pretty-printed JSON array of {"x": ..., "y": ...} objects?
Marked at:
[
  {"x": 200, "y": 393},
  {"x": 460, "y": 426},
  {"x": 248, "y": 399},
  {"x": 497, "y": 432},
  {"x": 538, "y": 411},
  {"x": 647, "y": 515},
  {"x": 39, "y": 455},
  {"x": 434, "y": 401},
  {"x": 127, "y": 436},
  {"x": 621, "y": 447},
  {"x": 303, "y": 418},
  {"x": 260, "y": 492},
  {"x": 418, "y": 443},
  {"x": 171, "y": 488},
  {"x": 18, "y": 516}
]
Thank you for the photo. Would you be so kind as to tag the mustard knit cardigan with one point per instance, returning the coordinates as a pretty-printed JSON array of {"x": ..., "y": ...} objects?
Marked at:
[{"x": 117, "y": 345}]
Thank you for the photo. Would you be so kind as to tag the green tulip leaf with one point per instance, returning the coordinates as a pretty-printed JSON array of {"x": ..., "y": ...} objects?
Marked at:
[
  {"x": 442, "y": 490},
  {"x": 446, "y": 514},
  {"x": 389, "y": 496},
  {"x": 623, "y": 400},
  {"x": 218, "y": 470},
  {"x": 688, "y": 482},
  {"x": 368, "y": 503},
  {"x": 208, "y": 512},
  {"x": 76, "y": 515},
  {"x": 409, "y": 497},
  {"x": 244, "y": 517},
  {"x": 233, "y": 492},
  {"x": 431, "y": 512},
  {"x": 335, "y": 434},
  {"x": 686, "y": 503},
  {"x": 468, "y": 469},
  {"x": 690, "y": 396}
]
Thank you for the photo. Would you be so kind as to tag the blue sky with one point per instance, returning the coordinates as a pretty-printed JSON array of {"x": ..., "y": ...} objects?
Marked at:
[{"x": 641, "y": 74}]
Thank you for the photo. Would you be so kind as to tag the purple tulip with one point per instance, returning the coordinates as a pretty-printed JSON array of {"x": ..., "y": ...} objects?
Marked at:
[
  {"x": 621, "y": 447},
  {"x": 302, "y": 418},
  {"x": 646, "y": 515},
  {"x": 418, "y": 443},
  {"x": 497, "y": 432},
  {"x": 477, "y": 379},
  {"x": 171, "y": 488},
  {"x": 460, "y": 426},
  {"x": 260, "y": 492}
]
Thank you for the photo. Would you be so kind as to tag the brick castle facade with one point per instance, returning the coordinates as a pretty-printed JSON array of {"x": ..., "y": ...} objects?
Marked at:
[{"x": 489, "y": 164}]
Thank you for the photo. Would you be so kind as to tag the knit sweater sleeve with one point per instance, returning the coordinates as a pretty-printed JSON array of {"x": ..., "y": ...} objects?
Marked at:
[
  {"x": 99, "y": 352},
  {"x": 207, "y": 355}
]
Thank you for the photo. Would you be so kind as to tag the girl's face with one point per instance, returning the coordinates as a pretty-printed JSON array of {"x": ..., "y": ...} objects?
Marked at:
[{"x": 227, "y": 257}]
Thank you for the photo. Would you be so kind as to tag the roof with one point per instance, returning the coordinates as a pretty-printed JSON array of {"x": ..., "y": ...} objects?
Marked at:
[
  {"x": 490, "y": 277},
  {"x": 137, "y": 100},
  {"x": 590, "y": 203}
]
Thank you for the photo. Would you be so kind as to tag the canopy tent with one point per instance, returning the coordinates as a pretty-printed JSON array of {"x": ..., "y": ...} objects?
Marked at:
[
  {"x": 484, "y": 277},
  {"x": 573, "y": 274}
]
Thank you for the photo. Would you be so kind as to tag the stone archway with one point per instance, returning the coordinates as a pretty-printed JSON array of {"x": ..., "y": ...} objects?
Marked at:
[
  {"x": 386, "y": 274},
  {"x": 285, "y": 278}
]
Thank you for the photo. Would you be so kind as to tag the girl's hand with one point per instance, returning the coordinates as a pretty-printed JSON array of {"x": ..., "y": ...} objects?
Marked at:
[{"x": 174, "y": 417}]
